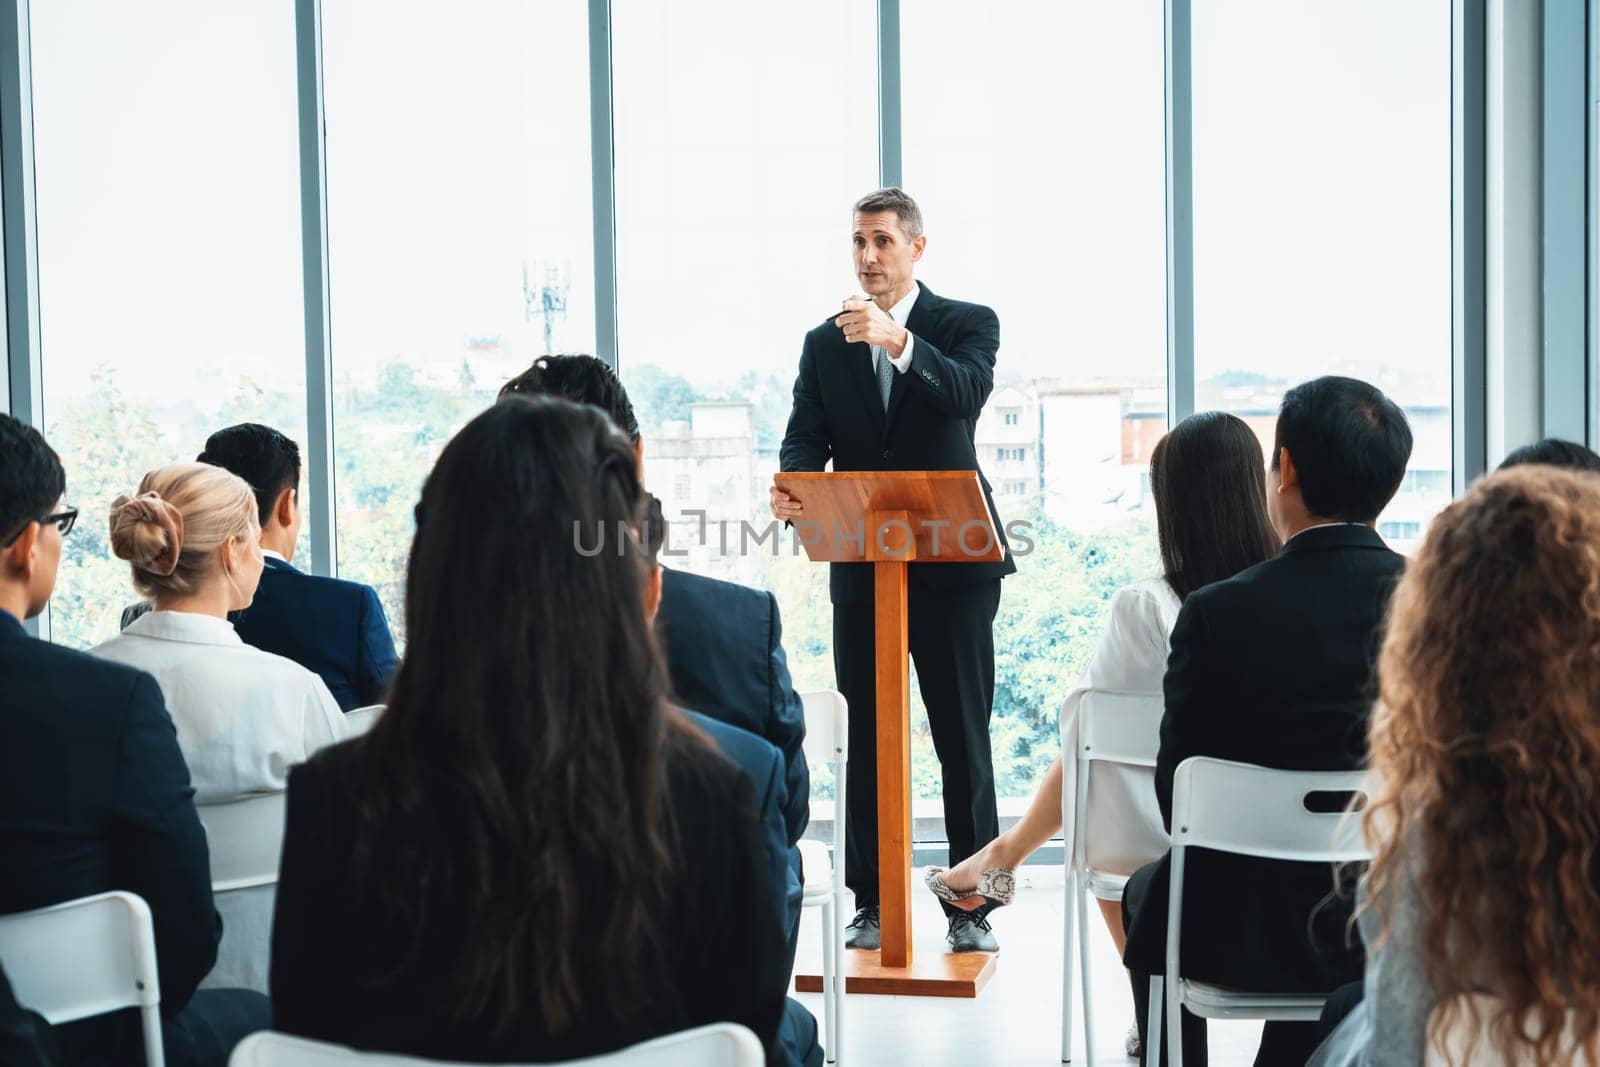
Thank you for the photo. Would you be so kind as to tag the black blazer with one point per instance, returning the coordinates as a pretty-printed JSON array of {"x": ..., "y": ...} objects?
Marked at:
[
  {"x": 724, "y": 646},
  {"x": 329, "y": 626},
  {"x": 94, "y": 796},
  {"x": 1273, "y": 666},
  {"x": 933, "y": 411},
  {"x": 721, "y": 946}
]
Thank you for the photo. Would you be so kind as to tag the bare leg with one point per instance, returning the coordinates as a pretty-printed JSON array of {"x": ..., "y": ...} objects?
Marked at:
[
  {"x": 1111, "y": 912},
  {"x": 1038, "y": 825}
]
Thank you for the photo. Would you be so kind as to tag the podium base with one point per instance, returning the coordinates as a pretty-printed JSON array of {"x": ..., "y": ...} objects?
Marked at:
[{"x": 932, "y": 974}]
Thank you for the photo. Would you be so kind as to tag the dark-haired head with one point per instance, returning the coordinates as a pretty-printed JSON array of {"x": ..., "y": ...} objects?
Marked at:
[
  {"x": 520, "y": 764},
  {"x": 582, "y": 379},
  {"x": 1340, "y": 450},
  {"x": 1553, "y": 452},
  {"x": 1208, "y": 479},
  {"x": 31, "y": 484},
  {"x": 270, "y": 463}
]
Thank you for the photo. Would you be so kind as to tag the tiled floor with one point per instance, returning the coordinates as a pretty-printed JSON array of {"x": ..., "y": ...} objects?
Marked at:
[{"x": 1016, "y": 1020}]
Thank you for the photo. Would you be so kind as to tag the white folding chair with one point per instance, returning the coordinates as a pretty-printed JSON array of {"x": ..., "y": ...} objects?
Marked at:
[
  {"x": 1113, "y": 728},
  {"x": 718, "y": 1045},
  {"x": 1470, "y": 1033},
  {"x": 86, "y": 957},
  {"x": 1248, "y": 811},
  {"x": 245, "y": 838},
  {"x": 828, "y": 741}
]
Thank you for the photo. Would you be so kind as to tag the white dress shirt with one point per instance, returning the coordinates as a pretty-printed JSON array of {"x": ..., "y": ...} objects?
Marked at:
[
  {"x": 899, "y": 313},
  {"x": 1124, "y": 821},
  {"x": 243, "y": 716}
]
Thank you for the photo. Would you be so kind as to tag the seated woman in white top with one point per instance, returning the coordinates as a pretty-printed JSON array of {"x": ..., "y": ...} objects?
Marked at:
[
  {"x": 1208, "y": 479},
  {"x": 243, "y": 716}
]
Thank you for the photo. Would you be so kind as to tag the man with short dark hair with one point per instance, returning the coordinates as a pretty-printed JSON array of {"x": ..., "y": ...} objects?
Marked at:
[
  {"x": 1274, "y": 667},
  {"x": 333, "y": 627},
  {"x": 896, "y": 382},
  {"x": 94, "y": 792},
  {"x": 1553, "y": 452}
]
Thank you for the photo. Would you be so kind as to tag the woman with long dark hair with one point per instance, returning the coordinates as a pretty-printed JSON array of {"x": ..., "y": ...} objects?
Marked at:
[
  {"x": 1481, "y": 909},
  {"x": 531, "y": 856},
  {"x": 1208, "y": 478}
]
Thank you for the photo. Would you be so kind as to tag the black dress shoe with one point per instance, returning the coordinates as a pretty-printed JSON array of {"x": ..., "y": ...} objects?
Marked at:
[
  {"x": 970, "y": 932},
  {"x": 863, "y": 931}
]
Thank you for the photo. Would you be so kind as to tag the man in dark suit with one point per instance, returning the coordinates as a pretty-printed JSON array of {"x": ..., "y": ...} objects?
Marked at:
[
  {"x": 94, "y": 793},
  {"x": 897, "y": 383},
  {"x": 1274, "y": 666},
  {"x": 724, "y": 642},
  {"x": 332, "y": 627}
]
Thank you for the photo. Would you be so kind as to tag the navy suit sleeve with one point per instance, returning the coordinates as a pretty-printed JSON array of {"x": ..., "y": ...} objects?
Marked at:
[
  {"x": 159, "y": 847},
  {"x": 807, "y": 442},
  {"x": 958, "y": 381},
  {"x": 305, "y": 979},
  {"x": 377, "y": 651},
  {"x": 787, "y": 728},
  {"x": 1187, "y": 690}
]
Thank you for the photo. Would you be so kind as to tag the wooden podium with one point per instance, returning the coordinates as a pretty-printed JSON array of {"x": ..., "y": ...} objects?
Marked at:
[{"x": 889, "y": 519}]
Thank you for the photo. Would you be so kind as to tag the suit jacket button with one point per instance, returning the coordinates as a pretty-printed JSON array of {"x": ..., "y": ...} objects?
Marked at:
[{"x": 887, "y": 453}]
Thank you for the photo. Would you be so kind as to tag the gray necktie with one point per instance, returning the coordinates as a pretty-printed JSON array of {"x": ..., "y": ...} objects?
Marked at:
[{"x": 885, "y": 376}]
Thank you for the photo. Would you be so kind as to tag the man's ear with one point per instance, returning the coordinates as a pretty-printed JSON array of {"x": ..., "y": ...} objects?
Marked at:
[
  {"x": 17, "y": 559},
  {"x": 288, "y": 503},
  {"x": 1288, "y": 477},
  {"x": 919, "y": 244},
  {"x": 652, "y": 593}
]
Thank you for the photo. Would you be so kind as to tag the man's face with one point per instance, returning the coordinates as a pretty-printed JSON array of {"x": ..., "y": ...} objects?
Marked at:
[
  {"x": 46, "y": 561},
  {"x": 884, "y": 254}
]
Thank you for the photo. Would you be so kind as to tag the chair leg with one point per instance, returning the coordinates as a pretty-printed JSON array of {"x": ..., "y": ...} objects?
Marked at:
[
  {"x": 1152, "y": 1034},
  {"x": 1174, "y": 1014},
  {"x": 1067, "y": 914},
  {"x": 830, "y": 982},
  {"x": 154, "y": 1054},
  {"x": 1083, "y": 956}
]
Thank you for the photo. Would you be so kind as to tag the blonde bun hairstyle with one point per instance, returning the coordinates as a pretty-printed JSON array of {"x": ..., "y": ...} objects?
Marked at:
[{"x": 173, "y": 528}]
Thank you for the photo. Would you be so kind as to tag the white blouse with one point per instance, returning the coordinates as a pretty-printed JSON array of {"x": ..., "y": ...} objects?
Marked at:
[
  {"x": 244, "y": 716},
  {"x": 1125, "y": 829}
]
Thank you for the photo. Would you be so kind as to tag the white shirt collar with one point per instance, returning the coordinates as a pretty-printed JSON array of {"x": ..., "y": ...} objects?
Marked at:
[
  {"x": 273, "y": 555},
  {"x": 186, "y": 627},
  {"x": 1325, "y": 525},
  {"x": 902, "y": 311}
]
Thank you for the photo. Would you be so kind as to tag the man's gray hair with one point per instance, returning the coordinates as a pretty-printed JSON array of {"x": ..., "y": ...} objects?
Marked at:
[{"x": 898, "y": 201}]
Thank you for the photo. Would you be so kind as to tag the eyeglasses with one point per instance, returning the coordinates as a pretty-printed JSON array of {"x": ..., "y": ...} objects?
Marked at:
[{"x": 64, "y": 521}]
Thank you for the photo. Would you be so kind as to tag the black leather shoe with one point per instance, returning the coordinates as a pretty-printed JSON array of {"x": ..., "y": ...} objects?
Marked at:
[
  {"x": 863, "y": 931},
  {"x": 970, "y": 932}
]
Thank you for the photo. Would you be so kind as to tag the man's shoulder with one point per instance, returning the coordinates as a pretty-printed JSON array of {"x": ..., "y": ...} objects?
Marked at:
[
  {"x": 687, "y": 585},
  {"x": 65, "y": 674},
  {"x": 304, "y": 583}
]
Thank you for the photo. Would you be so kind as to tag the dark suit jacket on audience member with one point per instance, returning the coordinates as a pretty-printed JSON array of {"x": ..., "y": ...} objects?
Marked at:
[
  {"x": 724, "y": 645},
  {"x": 95, "y": 796},
  {"x": 1273, "y": 666},
  {"x": 720, "y": 922},
  {"x": 329, "y": 626}
]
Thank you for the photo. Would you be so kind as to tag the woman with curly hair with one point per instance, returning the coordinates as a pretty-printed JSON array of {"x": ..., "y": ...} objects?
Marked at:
[{"x": 1481, "y": 910}]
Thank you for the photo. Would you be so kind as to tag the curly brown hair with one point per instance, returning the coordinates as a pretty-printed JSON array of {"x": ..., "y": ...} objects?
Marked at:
[{"x": 1485, "y": 744}]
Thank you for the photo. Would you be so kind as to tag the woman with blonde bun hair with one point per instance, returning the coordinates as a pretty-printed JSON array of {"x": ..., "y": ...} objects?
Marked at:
[
  {"x": 1485, "y": 750},
  {"x": 243, "y": 716}
]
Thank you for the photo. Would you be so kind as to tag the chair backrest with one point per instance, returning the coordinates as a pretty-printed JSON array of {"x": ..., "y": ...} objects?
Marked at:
[
  {"x": 1120, "y": 727},
  {"x": 82, "y": 958},
  {"x": 1469, "y": 1032},
  {"x": 827, "y": 726},
  {"x": 246, "y": 839},
  {"x": 718, "y": 1045},
  {"x": 358, "y": 721},
  {"x": 1259, "y": 811}
]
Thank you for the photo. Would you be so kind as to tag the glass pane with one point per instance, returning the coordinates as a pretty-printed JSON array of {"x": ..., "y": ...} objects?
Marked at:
[
  {"x": 1034, "y": 144},
  {"x": 460, "y": 237},
  {"x": 734, "y": 185},
  {"x": 1322, "y": 215},
  {"x": 169, "y": 252}
]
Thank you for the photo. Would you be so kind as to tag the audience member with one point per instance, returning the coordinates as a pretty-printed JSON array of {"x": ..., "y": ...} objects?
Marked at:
[
  {"x": 1274, "y": 667},
  {"x": 94, "y": 793},
  {"x": 1212, "y": 523},
  {"x": 723, "y": 642},
  {"x": 330, "y": 626},
  {"x": 1554, "y": 452},
  {"x": 26, "y": 1040},
  {"x": 531, "y": 856},
  {"x": 243, "y": 716},
  {"x": 1485, "y": 748}
]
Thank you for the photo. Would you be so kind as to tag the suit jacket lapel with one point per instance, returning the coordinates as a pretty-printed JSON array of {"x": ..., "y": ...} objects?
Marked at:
[
  {"x": 858, "y": 365},
  {"x": 917, "y": 320}
]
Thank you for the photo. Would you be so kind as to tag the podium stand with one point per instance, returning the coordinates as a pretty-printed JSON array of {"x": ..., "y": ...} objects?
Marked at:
[{"x": 889, "y": 519}]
